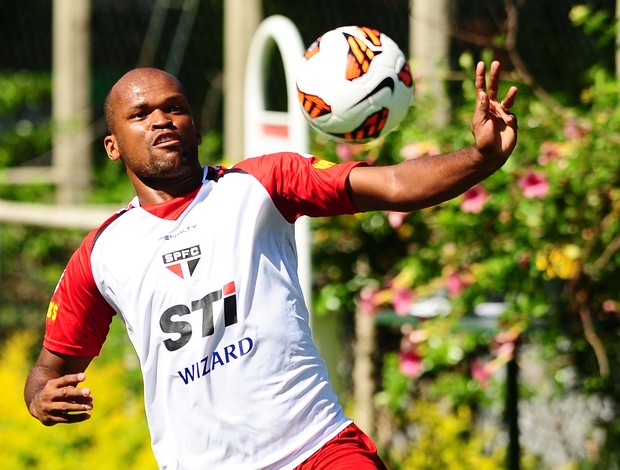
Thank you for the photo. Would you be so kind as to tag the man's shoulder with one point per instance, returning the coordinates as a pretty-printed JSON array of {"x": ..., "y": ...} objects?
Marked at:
[
  {"x": 270, "y": 160},
  {"x": 94, "y": 235}
]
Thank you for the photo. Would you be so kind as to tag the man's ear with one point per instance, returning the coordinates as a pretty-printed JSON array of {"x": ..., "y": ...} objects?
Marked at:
[{"x": 111, "y": 147}]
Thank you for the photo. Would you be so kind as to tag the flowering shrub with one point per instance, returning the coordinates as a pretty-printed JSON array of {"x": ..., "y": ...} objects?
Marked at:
[
  {"x": 531, "y": 254},
  {"x": 115, "y": 437}
]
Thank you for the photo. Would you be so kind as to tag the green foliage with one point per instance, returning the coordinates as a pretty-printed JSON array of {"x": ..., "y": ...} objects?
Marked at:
[
  {"x": 111, "y": 186},
  {"x": 30, "y": 266},
  {"x": 598, "y": 24},
  {"x": 544, "y": 240},
  {"x": 25, "y": 130},
  {"x": 22, "y": 90},
  {"x": 445, "y": 440},
  {"x": 443, "y": 435}
]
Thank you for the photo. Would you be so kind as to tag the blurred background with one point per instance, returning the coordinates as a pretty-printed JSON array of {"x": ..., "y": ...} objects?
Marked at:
[{"x": 483, "y": 333}]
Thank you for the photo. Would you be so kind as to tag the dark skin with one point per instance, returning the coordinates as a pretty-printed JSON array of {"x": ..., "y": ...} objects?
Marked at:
[
  {"x": 153, "y": 133},
  {"x": 430, "y": 180}
]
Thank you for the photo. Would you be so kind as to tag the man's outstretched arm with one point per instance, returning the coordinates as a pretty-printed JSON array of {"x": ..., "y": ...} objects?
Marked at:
[{"x": 430, "y": 180}]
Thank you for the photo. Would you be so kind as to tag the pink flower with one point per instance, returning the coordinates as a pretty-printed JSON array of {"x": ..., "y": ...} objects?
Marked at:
[
  {"x": 508, "y": 336},
  {"x": 504, "y": 344},
  {"x": 346, "y": 152},
  {"x": 410, "y": 363},
  {"x": 474, "y": 199},
  {"x": 549, "y": 152},
  {"x": 480, "y": 372},
  {"x": 534, "y": 185},
  {"x": 396, "y": 219},
  {"x": 368, "y": 301},
  {"x": 401, "y": 300},
  {"x": 610, "y": 307},
  {"x": 457, "y": 283},
  {"x": 576, "y": 128},
  {"x": 505, "y": 351},
  {"x": 415, "y": 335},
  {"x": 418, "y": 149}
]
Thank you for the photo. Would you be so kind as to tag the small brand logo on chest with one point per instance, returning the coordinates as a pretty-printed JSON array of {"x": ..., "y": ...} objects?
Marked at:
[{"x": 183, "y": 262}]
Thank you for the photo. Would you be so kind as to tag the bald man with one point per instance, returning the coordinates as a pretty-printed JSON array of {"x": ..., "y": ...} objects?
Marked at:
[{"x": 201, "y": 267}]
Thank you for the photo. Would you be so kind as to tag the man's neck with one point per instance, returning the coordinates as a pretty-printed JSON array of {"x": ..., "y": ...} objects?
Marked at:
[{"x": 157, "y": 192}]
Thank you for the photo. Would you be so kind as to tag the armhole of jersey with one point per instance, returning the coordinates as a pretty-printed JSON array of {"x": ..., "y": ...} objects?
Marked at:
[{"x": 106, "y": 224}]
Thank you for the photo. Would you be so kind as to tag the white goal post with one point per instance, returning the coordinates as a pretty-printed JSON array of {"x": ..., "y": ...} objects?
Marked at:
[{"x": 268, "y": 131}]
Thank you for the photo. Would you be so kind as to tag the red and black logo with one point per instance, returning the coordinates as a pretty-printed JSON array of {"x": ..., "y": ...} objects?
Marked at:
[{"x": 183, "y": 262}]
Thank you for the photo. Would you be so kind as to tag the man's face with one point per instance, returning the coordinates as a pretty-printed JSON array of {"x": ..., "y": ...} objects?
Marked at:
[{"x": 153, "y": 132}]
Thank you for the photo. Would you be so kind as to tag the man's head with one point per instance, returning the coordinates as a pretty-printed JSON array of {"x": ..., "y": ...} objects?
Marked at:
[{"x": 151, "y": 129}]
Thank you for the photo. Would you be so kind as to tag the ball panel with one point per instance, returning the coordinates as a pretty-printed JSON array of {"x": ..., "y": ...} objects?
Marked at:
[
  {"x": 373, "y": 35},
  {"x": 370, "y": 129},
  {"x": 313, "y": 49},
  {"x": 404, "y": 75},
  {"x": 359, "y": 57},
  {"x": 313, "y": 105}
]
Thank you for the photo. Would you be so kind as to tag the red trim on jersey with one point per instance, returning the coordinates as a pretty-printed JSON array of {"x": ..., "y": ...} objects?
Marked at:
[
  {"x": 300, "y": 185},
  {"x": 173, "y": 208},
  {"x": 81, "y": 316}
]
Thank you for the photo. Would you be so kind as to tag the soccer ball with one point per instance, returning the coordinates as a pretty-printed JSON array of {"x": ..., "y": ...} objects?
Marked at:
[{"x": 354, "y": 84}]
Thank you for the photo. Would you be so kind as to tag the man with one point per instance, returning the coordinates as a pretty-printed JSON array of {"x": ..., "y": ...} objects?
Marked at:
[{"x": 202, "y": 269}]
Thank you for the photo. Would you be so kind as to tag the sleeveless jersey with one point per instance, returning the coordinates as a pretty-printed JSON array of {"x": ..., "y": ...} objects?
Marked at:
[{"x": 207, "y": 287}]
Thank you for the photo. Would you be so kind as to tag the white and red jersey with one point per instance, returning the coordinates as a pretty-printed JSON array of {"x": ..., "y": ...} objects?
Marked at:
[{"x": 207, "y": 287}]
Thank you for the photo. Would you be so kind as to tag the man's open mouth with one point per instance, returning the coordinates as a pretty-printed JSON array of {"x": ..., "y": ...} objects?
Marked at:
[{"x": 167, "y": 139}]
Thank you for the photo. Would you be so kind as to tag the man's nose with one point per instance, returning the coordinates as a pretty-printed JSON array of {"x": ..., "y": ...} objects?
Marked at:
[{"x": 159, "y": 118}]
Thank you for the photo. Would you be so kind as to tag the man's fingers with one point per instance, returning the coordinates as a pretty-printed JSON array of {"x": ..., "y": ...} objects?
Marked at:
[
  {"x": 480, "y": 80},
  {"x": 69, "y": 397},
  {"x": 493, "y": 83},
  {"x": 66, "y": 386},
  {"x": 66, "y": 417},
  {"x": 77, "y": 417},
  {"x": 494, "y": 74},
  {"x": 72, "y": 395},
  {"x": 70, "y": 380},
  {"x": 504, "y": 108},
  {"x": 487, "y": 96},
  {"x": 482, "y": 108},
  {"x": 509, "y": 100},
  {"x": 61, "y": 401},
  {"x": 72, "y": 407}
]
